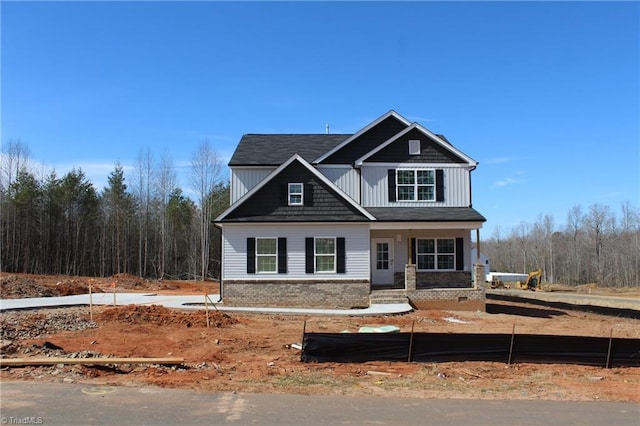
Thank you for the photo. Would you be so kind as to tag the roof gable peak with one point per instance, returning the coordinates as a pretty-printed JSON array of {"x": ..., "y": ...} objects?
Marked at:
[
  {"x": 368, "y": 127},
  {"x": 436, "y": 138},
  {"x": 278, "y": 170}
]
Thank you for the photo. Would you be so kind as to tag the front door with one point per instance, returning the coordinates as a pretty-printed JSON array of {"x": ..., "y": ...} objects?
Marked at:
[{"x": 381, "y": 262}]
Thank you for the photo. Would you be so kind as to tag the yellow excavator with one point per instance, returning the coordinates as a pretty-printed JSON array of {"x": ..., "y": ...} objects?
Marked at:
[{"x": 533, "y": 282}]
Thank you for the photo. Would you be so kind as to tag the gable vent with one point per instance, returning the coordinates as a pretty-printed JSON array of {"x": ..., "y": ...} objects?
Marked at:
[{"x": 414, "y": 147}]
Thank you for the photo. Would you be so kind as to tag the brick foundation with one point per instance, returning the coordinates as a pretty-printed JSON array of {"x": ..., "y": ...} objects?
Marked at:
[
  {"x": 459, "y": 299},
  {"x": 309, "y": 294}
]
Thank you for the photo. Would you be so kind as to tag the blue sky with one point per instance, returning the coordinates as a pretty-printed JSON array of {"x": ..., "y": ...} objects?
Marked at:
[{"x": 544, "y": 95}]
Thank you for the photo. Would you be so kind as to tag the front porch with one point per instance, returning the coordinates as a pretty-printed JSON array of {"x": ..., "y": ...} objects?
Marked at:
[
  {"x": 455, "y": 299},
  {"x": 452, "y": 290}
]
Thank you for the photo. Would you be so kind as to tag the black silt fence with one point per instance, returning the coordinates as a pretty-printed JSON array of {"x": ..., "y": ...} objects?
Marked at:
[{"x": 441, "y": 347}]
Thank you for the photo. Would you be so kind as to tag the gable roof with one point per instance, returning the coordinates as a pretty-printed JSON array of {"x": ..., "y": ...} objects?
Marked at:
[
  {"x": 275, "y": 149},
  {"x": 436, "y": 138},
  {"x": 370, "y": 126},
  {"x": 317, "y": 175}
]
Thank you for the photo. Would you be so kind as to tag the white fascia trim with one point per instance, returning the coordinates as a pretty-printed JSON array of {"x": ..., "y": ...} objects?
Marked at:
[
  {"x": 312, "y": 169},
  {"x": 253, "y": 190},
  {"x": 334, "y": 166},
  {"x": 470, "y": 161},
  {"x": 340, "y": 192},
  {"x": 386, "y": 143},
  {"x": 418, "y": 165},
  {"x": 302, "y": 225},
  {"x": 374, "y": 123},
  {"x": 424, "y": 225},
  {"x": 446, "y": 145}
]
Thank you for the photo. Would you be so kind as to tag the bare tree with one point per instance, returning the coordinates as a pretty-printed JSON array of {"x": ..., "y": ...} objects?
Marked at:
[
  {"x": 14, "y": 159},
  {"x": 166, "y": 183},
  {"x": 143, "y": 176},
  {"x": 598, "y": 221},
  {"x": 575, "y": 219},
  {"x": 206, "y": 172}
]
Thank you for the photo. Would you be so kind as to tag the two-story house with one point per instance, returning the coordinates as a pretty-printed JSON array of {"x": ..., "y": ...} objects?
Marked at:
[{"x": 332, "y": 220}]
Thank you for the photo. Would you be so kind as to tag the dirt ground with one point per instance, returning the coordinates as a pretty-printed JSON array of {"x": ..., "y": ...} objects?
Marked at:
[{"x": 254, "y": 353}]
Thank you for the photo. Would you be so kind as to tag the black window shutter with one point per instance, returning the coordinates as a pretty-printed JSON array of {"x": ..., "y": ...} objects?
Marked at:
[
  {"x": 439, "y": 185},
  {"x": 308, "y": 256},
  {"x": 282, "y": 255},
  {"x": 391, "y": 180},
  {"x": 284, "y": 194},
  {"x": 414, "y": 248},
  {"x": 308, "y": 194},
  {"x": 459, "y": 254},
  {"x": 251, "y": 255},
  {"x": 341, "y": 264}
]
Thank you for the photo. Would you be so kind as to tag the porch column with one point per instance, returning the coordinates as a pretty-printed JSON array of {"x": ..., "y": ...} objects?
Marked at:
[
  {"x": 478, "y": 267},
  {"x": 410, "y": 276}
]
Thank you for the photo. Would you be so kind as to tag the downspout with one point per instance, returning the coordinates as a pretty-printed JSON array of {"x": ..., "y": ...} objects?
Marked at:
[
  {"x": 472, "y": 168},
  {"x": 219, "y": 226}
]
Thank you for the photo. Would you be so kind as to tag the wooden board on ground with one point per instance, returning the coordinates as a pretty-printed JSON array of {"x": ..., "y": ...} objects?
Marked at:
[{"x": 19, "y": 362}]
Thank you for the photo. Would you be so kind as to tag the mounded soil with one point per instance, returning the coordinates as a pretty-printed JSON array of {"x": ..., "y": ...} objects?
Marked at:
[{"x": 254, "y": 353}]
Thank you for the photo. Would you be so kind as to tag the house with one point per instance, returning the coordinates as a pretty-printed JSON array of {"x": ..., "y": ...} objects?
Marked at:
[{"x": 345, "y": 220}]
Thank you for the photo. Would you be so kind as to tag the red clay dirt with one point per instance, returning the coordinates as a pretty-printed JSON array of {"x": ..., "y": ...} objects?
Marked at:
[{"x": 253, "y": 353}]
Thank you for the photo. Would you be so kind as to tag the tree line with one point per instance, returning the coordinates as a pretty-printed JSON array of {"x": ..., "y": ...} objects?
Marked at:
[
  {"x": 595, "y": 245},
  {"x": 142, "y": 224}
]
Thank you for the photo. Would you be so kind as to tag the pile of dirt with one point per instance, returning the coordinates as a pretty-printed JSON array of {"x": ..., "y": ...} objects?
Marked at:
[
  {"x": 14, "y": 287},
  {"x": 159, "y": 315},
  {"x": 127, "y": 281},
  {"x": 72, "y": 287},
  {"x": 19, "y": 287},
  {"x": 16, "y": 325}
]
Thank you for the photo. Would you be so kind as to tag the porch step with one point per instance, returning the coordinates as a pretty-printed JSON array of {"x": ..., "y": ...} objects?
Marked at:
[{"x": 378, "y": 297}]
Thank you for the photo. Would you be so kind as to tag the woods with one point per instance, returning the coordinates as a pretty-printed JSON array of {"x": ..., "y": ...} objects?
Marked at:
[
  {"x": 594, "y": 246},
  {"x": 143, "y": 225}
]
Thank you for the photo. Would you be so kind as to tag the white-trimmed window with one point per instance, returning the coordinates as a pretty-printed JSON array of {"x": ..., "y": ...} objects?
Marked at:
[
  {"x": 296, "y": 194},
  {"x": 266, "y": 255},
  {"x": 416, "y": 184},
  {"x": 436, "y": 254},
  {"x": 325, "y": 254}
]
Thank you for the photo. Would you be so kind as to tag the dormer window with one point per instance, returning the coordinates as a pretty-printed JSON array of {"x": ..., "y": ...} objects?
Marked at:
[
  {"x": 296, "y": 197},
  {"x": 414, "y": 147}
]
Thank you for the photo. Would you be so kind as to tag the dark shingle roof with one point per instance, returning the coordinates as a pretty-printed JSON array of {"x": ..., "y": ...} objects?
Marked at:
[
  {"x": 298, "y": 218},
  {"x": 275, "y": 149},
  {"x": 426, "y": 214}
]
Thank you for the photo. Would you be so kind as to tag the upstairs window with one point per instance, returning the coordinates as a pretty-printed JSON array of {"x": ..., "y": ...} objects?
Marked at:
[
  {"x": 296, "y": 194},
  {"x": 415, "y": 185}
]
